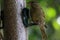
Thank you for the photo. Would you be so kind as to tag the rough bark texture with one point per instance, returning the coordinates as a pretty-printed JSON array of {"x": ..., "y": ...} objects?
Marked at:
[{"x": 13, "y": 26}]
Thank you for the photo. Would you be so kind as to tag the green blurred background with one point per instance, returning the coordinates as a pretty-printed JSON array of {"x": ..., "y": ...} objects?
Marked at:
[{"x": 51, "y": 9}]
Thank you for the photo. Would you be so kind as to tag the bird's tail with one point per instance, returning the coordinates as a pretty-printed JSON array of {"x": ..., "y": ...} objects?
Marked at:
[{"x": 43, "y": 32}]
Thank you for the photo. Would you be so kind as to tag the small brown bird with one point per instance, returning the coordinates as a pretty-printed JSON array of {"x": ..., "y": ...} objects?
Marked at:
[{"x": 37, "y": 16}]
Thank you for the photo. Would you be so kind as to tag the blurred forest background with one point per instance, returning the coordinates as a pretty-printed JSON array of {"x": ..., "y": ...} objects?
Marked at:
[{"x": 51, "y": 9}]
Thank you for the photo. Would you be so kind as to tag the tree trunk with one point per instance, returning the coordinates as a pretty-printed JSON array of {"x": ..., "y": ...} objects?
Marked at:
[{"x": 13, "y": 26}]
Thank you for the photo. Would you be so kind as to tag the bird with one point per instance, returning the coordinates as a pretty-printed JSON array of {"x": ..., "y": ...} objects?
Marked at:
[{"x": 38, "y": 16}]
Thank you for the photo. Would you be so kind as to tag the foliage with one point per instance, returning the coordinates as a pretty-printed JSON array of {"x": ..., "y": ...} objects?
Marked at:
[{"x": 51, "y": 9}]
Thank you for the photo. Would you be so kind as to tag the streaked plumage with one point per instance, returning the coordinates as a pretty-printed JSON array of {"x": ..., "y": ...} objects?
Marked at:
[{"x": 38, "y": 17}]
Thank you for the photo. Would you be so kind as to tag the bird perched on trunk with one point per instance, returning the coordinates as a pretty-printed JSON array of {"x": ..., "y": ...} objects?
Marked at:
[{"x": 38, "y": 17}]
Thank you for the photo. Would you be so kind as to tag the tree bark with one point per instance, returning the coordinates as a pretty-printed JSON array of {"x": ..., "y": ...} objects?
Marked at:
[{"x": 13, "y": 26}]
